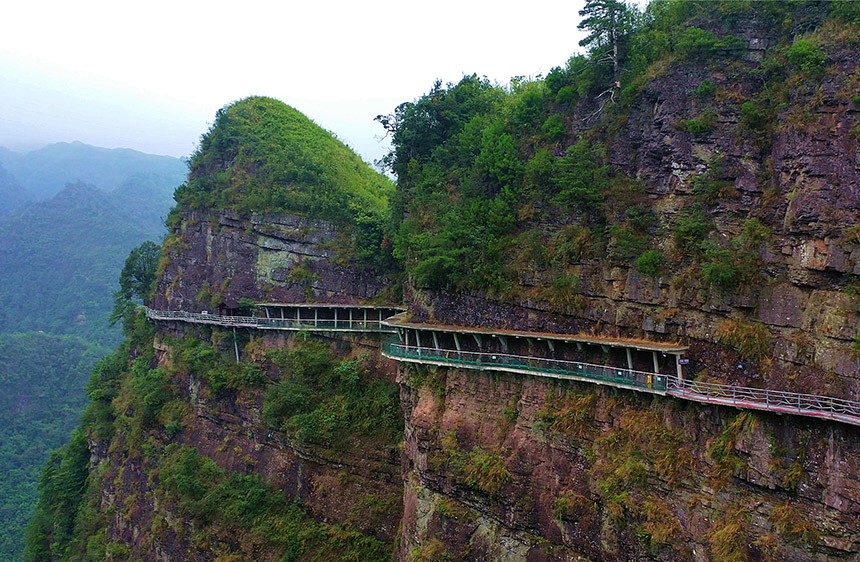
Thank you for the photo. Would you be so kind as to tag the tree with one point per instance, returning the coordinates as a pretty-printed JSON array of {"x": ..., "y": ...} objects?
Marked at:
[
  {"x": 135, "y": 281},
  {"x": 607, "y": 21}
]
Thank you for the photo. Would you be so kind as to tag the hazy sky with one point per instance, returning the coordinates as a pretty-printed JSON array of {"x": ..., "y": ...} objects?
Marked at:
[{"x": 150, "y": 75}]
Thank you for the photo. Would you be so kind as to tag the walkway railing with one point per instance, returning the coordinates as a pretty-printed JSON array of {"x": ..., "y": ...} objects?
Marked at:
[
  {"x": 558, "y": 368},
  {"x": 320, "y": 324},
  {"x": 713, "y": 393}
]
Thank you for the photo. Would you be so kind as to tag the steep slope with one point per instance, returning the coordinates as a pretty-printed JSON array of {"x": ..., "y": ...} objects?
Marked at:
[
  {"x": 701, "y": 199},
  {"x": 714, "y": 203}
]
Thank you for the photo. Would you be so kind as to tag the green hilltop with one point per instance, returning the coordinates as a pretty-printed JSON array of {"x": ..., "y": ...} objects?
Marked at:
[{"x": 261, "y": 155}]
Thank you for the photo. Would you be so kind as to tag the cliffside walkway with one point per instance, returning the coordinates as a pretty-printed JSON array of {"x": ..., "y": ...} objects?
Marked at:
[
  {"x": 663, "y": 384},
  {"x": 296, "y": 317},
  {"x": 371, "y": 319}
]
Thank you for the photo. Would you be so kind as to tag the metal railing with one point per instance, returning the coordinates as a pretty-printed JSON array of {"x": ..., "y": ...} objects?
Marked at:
[
  {"x": 715, "y": 393},
  {"x": 321, "y": 324},
  {"x": 649, "y": 382},
  {"x": 763, "y": 398}
]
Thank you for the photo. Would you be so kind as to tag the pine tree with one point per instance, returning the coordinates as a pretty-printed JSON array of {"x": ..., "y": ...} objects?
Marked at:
[{"x": 607, "y": 21}]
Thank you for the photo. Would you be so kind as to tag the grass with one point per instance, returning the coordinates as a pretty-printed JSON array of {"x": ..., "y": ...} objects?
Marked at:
[
  {"x": 262, "y": 155},
  {"x": 750, "y": 338}
]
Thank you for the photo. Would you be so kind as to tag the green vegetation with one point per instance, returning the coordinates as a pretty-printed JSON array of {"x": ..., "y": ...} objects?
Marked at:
[
  {"x": 323, "y": 400},
  {"x": 243, "y": 503},
  {"x": 262, "y": 155},
  {"x": 62, "y": 257},
  {"x": 485, "y": 470},
  {"x": 791, "y": 523},
  {"x": 651, "y": 262},
  {"x": 136, "y": 408},
  {"x": 722, "y": 449},
  {"x": 43, "y": 380},
  {"x": 807, "y": 56},
  {"x": 136, "y": 282},
  {"x": 729, "y": 536},
  {"x": 627, "y": 460}
]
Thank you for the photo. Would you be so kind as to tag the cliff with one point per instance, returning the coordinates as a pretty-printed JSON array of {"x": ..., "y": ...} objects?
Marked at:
[{"x": 712, "y": 202}]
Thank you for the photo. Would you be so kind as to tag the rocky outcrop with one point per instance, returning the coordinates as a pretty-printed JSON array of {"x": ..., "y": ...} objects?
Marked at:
[{"x": 218, "y": 258}]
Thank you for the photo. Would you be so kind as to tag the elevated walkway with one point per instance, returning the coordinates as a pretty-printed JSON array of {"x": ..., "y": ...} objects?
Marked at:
[
  {"x": 526, "y": 353},
  {"x": 293, "y": 317}
]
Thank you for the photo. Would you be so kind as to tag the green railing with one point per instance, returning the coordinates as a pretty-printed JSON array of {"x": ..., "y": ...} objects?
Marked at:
[
  {"x": 810, "y": 405},
  {"x": 649, "y": 382}
]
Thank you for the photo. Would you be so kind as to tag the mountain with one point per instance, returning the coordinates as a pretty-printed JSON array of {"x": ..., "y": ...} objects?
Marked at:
[
  {"x": 12, "y": 195},
  {"x": 43, "y": 173},
  {"x": 43, "y": 379},
  {"x": 62, "y": 256}
]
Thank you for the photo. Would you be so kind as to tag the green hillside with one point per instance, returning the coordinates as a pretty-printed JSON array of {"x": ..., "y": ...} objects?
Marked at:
[
  {"x": 43, "y": 379},
  {"x": 262, "y": 155},
  {"x": 62, "y": 257}
]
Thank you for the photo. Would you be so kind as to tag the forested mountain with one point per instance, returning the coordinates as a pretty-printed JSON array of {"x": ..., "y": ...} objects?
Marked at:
[
  {"x": 43, "y": 173},
  {"x": 12, "y": 195},
  {"x": 43, "y": 378},
  {"x": 59, "y": 263},
  {"x": 62, "y": 256}
]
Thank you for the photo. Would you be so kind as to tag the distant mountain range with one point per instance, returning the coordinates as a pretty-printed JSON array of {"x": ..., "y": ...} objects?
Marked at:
[
  {"x": 69, "y": 215},
  {"x": 43, "y": 173},
  {"x": 12, "y": 195},
  {"x": 62, "y": 256}
]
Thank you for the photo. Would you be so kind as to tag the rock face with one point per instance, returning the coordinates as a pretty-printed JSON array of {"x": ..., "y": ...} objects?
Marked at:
[
  {"x": 502, "y": 467},
  {"x": 802, "y": 187},
  {"x": 217, "y": 258}
]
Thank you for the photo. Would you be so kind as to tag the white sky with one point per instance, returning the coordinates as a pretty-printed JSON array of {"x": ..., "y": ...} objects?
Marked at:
[{"x": 151, "y": 75}]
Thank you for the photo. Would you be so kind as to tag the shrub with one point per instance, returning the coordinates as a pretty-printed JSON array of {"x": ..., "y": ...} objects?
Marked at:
[
  {"x": 754, "y": 118},
  {"x": 706, "y": 89},
  {"x": 704, "y": 124},
  {"x": 793, "y": 525},
  {"x": 556, "y": 79},
  {"x": 697, "y": 43},
  {"x": 691, "y": 227},
  {"x": 651, "y": 262},
  {"x": 807, "y": 56},
  {"x": 485, "y": 470},
  {"x": 554, "y": 128},
  {"x": 566, "y": 95},
  {"x": 436, "y": 272},
  {"x": 626, "y": 242},
  {"x": 728, "y": 537},
  {"x": 572, "y": 506},
  {"x": 719, "y": 268},
  {"x": 711, "y": 186}
]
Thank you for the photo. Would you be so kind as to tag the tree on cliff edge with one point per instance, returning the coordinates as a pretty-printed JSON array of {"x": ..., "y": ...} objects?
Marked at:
[
  {"x": 607, "y": 21},
  {"x": 135, "y": 282}
]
